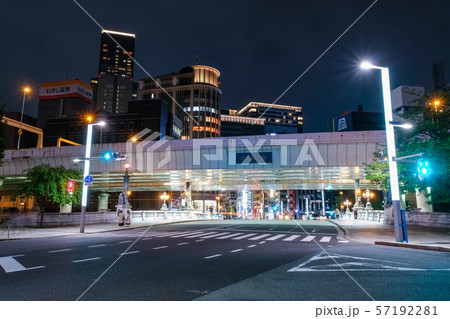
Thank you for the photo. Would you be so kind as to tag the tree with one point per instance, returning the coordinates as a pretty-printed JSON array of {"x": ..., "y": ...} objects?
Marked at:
[
  {"x": 2, "y": 131},
  {"x": 430, "y": 135},
  {"x": 48, "y": 186},
  {"x": 378, "y": 173}
]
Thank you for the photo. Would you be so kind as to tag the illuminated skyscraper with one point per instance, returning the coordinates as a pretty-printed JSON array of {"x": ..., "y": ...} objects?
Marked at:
[
  {"x": 193, "y": 95},
  {"x": 113, "y": 87}
]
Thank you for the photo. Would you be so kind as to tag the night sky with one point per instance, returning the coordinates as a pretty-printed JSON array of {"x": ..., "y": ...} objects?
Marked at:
[{"x": 260, "y": 47}]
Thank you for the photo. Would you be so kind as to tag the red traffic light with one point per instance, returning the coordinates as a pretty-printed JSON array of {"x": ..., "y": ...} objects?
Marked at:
[{"x": 70, "y": 187}]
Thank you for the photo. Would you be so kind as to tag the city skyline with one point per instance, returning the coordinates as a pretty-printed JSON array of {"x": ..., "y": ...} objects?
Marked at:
[{"x": 260, "y": 50}]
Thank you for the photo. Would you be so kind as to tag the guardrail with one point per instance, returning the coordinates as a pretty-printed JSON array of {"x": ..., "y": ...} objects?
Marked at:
[
  {"x": 371, "y": 215},
  {"x": 144, "y": 215}
]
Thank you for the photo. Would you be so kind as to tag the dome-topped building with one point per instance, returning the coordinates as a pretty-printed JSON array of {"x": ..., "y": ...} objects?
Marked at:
[{"x": 193, "y": 95}]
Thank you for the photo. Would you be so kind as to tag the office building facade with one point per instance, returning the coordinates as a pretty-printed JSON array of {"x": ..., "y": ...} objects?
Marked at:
[
  {"x": 152, "y": 115},
  {"x": 114, "y": 86},
  {"x": 63, "y": 99},
  {"x": 233, "y": 125},
  {"x": 278, "y": 119},
  {"x": 193, "y": 95},
  {"x": 359, "y": 121}
]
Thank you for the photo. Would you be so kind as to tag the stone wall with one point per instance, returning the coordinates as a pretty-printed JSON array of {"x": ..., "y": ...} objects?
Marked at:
[{"x": 439, "y": 220}]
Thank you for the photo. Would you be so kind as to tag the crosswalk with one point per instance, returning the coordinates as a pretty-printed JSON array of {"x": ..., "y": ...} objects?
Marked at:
[{"x": 216, "y": 235}]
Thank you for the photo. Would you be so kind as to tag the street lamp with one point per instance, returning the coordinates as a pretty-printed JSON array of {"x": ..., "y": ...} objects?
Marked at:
[
  {"x": 347, "y": 203},
  {"x": 390, "y": 138},
  {"x": 368, "y": 195},
  {"x": 26, "y": 90},
  {"x": 164, "y": 197},
  {"x": 86, "y": 172}
]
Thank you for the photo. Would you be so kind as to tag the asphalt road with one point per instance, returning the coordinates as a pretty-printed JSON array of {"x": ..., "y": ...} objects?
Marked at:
[{"x": 219, "y": 260}]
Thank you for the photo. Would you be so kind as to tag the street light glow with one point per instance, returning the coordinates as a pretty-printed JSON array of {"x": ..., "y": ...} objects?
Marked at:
[
  {"x": 366, "y": 65},
  {"x": 101, "y": 123},
  {"x": 27, "y": 89}
]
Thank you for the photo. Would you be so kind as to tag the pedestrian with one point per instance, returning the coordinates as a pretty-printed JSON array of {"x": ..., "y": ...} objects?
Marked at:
[
  {"x": 128, "y": 219},
  {"x": 121, "y": 218}
]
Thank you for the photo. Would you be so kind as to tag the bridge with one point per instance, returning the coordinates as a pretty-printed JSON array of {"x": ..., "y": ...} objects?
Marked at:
[{"x": 319, "y": 161}]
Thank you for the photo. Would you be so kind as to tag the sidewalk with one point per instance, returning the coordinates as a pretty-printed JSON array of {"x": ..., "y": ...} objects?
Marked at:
[
  {"x": 30, "y": 232},
  {"x": 419, "y": 237}
]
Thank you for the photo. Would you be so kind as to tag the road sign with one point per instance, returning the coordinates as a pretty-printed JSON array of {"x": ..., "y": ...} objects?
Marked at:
[
  {"x": 20, "y": 131},
  {"x": 88, "y": 179}
]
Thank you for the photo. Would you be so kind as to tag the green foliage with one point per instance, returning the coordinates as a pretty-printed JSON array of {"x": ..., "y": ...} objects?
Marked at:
[
  {"x": 2, "y": 131},
  {"x": 378, "y": 173},
  {"x": 48, "y": 185},
  {"x": 430, "y": 135}
]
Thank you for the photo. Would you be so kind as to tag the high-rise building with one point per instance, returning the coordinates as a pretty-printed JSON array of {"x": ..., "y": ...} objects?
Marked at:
[
  {"x": 193, "y": 95},
  {"x": 63, "y": 99},
  {"x": 278, "y": 119},
  {"x": 404, "y": 97},
  {"x": 113, "y": 87},
  {"x": 233, "y": 125},
  {"x": 359, "y": 121}
]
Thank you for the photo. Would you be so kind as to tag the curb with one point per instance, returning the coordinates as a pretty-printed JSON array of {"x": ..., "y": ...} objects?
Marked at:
[{"x": 413, "y": 246}]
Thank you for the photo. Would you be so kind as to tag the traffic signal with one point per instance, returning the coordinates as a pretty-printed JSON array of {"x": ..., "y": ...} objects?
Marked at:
[
  {"x": 70, "y": 187},
  {"x": 423, "y": 169},
  {"x": 108, "y": 155}
]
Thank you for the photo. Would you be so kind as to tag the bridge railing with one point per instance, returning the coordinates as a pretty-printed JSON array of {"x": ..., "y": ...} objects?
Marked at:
[
  {"x": 370, "y": 215},
  {"x": 145, "y": 215}
]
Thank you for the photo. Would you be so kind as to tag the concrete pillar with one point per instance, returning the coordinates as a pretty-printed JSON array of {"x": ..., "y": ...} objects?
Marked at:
[
  {"x": 65, "y": 208},
  {"x": 103, "y": 202},
  {"x": 422, "y": 201}
]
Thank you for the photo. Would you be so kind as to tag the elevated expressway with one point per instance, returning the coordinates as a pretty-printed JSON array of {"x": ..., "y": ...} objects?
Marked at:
[{"x": 307, "y": 161}]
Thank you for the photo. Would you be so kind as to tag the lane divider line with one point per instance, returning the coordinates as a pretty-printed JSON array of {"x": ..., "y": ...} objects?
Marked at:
[
  {"x": 59, "y": 251},
  {"x": 88, "y": 259},
  {"x": 213, "y": 256}
]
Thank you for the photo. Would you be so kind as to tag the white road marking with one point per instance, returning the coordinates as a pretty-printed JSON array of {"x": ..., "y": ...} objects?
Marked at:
[
  {"x": 236, "y": 250},
  {"x": 9, "y": 264},
  {"x": 124, "y": 242},
  {"x": 212, "y": 236},
  {"x": 243, "y": 236},
  {"x": 262, "y": 242},
  {"x": 185, "y": 243},
  {"x": 200, "y": 235},
  {"x": 325, "y": 239},
  {"x": 343, "y": 241},
  {"x": 130, "y": 252},
  {"x": 251, "y": 246},
  {"x": 83, "y": 260},
  {"x": 353, "y": 263},
  {"x": 161, "y": 247},
  {"x": 172, "y": 234},
  {"x": 186, "y": 234},
  {"x": 228, "y": 236},
  {"x": 291, "y": 238},
  {"x": 275, "y": 237},
  {"x": 146, "y": 238},
  {"x": 95, "y": 246},
  {"x": 213, "y": 256},
  {"x": 198, "y": 240},
  {"x": 259, "y": 237},
  {"x": 59, "y": 251},
  {"x": 308, "y": 238}
]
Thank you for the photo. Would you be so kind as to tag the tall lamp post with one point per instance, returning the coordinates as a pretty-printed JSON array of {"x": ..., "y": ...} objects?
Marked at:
[
  {"x": 393, "y": 175},
  {"x": 26, "y": 90},
  {"x": 86, "y": 173}
]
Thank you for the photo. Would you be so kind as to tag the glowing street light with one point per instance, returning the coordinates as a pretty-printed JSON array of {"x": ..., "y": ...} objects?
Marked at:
[
  {"x": 347, "y": 203},
  {"x": 26, "y": 90},
  {"x": 368, "y": 195},
  {"x": 393, "y": 174},
  {"x": 87, "y": 156},
  {"x": 164, "y": 197}
]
